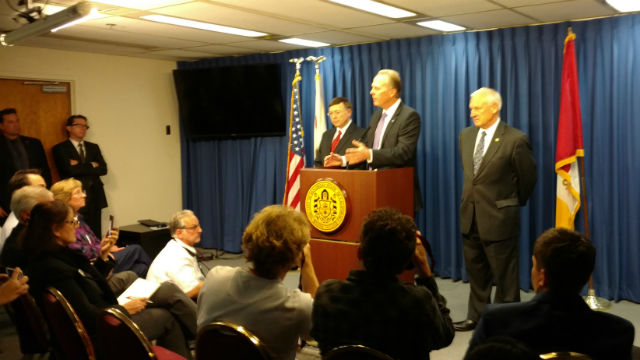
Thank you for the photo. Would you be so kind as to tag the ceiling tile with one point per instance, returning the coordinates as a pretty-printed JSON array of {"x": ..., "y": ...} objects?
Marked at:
[
  {"x": 489, "y": 19},
  {"x": 576, "y": 9},
  {"x": 395, "y": 31},
  {"x": 267, "y": 45},
  {"x": 231, "y": 17},
  {"x": 516, "y": 3},
  {"x": 223, "y": 50},
  {"x": 121, "y": 37},
  {"x": 311, "y": 11},
  {"x": 340, "y": 37},
  {"x": 180, "y": 54},
  {"x": 437, "y": 8}
]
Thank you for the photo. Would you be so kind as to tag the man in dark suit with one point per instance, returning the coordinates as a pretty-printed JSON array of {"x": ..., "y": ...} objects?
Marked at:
[
  {"x": 499, "y": 175},
  {"x": 392, "y": 137},
  {"x": 557, "y": 318},
  {"x": 17, "y": 152},
  {"x": 83, "y": 160},
  {"x": 335, "y": 141}
]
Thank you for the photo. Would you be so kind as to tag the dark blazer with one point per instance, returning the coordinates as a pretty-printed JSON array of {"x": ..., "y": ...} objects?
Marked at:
[
  {"x": 399, "y": 143},
  {"x": 505, "y": 179},
  {"x": 37, "y": 160},
  {"x": 354, "y": 132},
  {"x": 85, "y": 172},
  {"x": 553, "y": 322}
]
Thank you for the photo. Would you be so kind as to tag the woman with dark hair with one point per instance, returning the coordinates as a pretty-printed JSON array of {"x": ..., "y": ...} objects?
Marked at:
[{"x": 52, "y": 263}]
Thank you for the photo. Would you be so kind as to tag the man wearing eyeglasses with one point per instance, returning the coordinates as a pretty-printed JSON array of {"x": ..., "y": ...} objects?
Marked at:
[
  {"x": 178, "y": 262},
  {"x": 336, "y": 141},
  {"x": 83, "y": 160},
  {"x": 17, "y": 152}
]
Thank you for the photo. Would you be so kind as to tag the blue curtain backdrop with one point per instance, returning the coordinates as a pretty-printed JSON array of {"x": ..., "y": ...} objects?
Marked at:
[{"x": 226, "y": 181}]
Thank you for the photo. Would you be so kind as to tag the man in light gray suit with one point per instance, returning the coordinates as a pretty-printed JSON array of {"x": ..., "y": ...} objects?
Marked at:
[{"x": 499, "y": 176}]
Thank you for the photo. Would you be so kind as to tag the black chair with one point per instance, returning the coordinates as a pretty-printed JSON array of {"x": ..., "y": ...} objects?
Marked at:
[
  {"x": 355, "y": 352},
  {"x": 227, "y": 341},
  {"x": 122, "y": 339},
  {"x": 68, "y": 334},
  {"x": 564, "y": 355}
]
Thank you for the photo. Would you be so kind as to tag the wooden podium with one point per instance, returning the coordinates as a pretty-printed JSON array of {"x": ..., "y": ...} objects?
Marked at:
[{"x": 334, "y": 254}]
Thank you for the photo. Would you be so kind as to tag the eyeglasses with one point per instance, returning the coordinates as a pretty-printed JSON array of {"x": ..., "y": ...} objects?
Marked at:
[
  {"x": 81, "y": 126},
  {"x": 75, "y": 222},
  {"x": 82, "y": 193},
  {"x": 192, "y": 227},
  {"x": 334, "y": 113}
]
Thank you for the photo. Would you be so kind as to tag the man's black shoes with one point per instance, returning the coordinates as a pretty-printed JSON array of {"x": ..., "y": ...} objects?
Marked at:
[{"x": 464, "y": 325}]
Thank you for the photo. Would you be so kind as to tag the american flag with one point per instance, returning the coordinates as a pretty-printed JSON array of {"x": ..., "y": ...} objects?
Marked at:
[{"x": 295, "y": 161}]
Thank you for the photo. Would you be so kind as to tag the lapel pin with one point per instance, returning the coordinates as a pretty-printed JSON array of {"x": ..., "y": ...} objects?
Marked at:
[{"x": 497, "y": 139}]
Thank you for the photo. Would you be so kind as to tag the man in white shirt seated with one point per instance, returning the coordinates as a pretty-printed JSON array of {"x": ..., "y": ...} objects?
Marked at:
[
  {"x": 177, "y": 262},
  {"x": 19, "y": 180}
]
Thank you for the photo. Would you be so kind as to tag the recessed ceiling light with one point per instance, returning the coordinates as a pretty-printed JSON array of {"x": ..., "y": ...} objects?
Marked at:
[
  {"x": 625, "y": 5},
  {"x": 202, "y": 25},
  {"x": 376, "y": 8},
  {"x": 303, "y": 42},
  {"x": 440, "y": 25}
]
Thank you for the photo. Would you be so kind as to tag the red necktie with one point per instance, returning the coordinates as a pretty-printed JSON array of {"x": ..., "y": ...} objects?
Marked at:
[{"x": 334, "y": 143}]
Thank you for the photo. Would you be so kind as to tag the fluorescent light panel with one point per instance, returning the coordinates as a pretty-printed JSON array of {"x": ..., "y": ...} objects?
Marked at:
[
  {"x": 202, "y": 25},
  {"x": 440, "y": 25},
  {"x": 52, "y": 9},
  {"x": 625, "y": 5},
  {"x": 303, "y": 42},
  {"x": 376, "y": 8}
]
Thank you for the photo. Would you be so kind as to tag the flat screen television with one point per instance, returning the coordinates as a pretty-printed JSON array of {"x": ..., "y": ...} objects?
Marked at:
[{"x": 231, "y": 101}]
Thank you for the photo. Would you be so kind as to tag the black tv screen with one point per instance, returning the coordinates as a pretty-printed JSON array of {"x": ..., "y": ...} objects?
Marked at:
[{"x": 231, "y": 101}]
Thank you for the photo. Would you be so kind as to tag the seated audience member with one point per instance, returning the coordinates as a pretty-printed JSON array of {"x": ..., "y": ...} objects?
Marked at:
[
  {"x": 274, "y": 241},
  {"x": 19, "y": 180},
  {"x": 22, "y": 201},
  {"x": 131, "y": 257},
  {"x": 167, "y": 316},
  {"x": 557, "y": 318},
  {"x": 501, "y": 348},
  {"x": 177, "y": 261},
  {"x": 375, "y": 309},
  {"x": 11, "y": 287}
]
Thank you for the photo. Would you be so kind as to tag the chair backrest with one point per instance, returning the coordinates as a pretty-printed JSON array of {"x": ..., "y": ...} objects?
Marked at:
[
  {"x": 67, "y": 331},
  {"x": 223, "y": 340},
  {"x": 564, "y": 355},
  {"x": 355, "y": 352},
  {"x": 30, "y": 325},
  {"x": 115, "y": 327}
]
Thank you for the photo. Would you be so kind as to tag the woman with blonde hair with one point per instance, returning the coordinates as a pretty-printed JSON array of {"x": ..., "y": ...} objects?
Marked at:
[{"x": 131, "y": 257}]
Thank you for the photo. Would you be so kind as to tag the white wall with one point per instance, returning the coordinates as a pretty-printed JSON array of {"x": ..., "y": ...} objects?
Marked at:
[{"x": 129, "y": 102}]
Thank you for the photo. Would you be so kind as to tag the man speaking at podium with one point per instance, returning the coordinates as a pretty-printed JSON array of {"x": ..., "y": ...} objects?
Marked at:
[{"x": 392, "y": 136}]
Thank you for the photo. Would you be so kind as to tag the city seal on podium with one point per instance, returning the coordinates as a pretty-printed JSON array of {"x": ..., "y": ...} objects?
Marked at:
[{"x": 326, "y": 205}]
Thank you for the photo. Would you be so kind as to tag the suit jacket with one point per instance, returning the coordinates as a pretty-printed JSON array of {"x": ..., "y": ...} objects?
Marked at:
[
  {"x": 354, "y": 132},
  {"x": 505, "y": 179},
  {"x": 399, "y": 143},
  {"x": 85, "y": 172},
  {"x": 37, "y": 159},
  {"x": 558, "y": 322}
]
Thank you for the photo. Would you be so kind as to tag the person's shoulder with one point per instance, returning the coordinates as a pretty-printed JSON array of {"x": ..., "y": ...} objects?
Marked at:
[
  {"x": 30, "y": 140},
  {"x": 61, "y": 145}
]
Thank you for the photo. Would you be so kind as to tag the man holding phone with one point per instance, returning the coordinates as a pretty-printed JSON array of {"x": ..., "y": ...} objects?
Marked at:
[{"x": 83, "y": 160}]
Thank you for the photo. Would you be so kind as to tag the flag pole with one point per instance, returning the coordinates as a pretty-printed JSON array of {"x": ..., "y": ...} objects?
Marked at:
[
  {"x": 594, "y": 302},
  {"x": 292, "y": 115}
]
